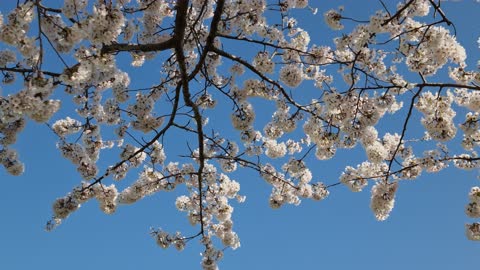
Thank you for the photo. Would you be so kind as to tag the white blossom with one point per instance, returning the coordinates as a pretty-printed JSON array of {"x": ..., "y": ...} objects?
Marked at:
[
  {"x": 332, "y": 18},
  {"x": 383, "y": 199},
  {"x": 291, "y": 75}
]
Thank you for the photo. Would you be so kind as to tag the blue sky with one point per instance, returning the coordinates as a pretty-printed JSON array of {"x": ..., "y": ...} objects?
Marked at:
[{"x": 425, "y": 229}]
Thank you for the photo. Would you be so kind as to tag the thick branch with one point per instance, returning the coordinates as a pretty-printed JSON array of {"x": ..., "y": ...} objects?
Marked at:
[
  {"x": 211, "y": 37},
  {"x": 180, "y": 28},
  {"x": 440, "y": 11},
  {"x": 28, "y": 70},
  {"x": 443, "y": 85},
  {"x": 399, "y": 12},
  {"x": 122, "y": 47}
]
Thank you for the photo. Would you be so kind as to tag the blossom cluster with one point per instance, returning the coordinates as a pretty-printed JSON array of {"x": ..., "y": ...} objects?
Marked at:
[
  {"x": 472, "y": 210},
  {"x": 9, "y": 159},
  {"x": 64, "y": 206},
  {"x": 14, "y": 32},
  {"x": 438, "y": 119},
  {"x": 383, "y": 199}
]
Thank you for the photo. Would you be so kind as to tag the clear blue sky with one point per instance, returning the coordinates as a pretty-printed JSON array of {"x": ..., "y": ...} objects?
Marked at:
[{"x": 424, "y": 231}]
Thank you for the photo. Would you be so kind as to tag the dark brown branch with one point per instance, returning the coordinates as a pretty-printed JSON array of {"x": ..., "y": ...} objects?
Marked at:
[
  {"x": 54, "y": 10},
  {"x": 440, "y": 11},
  {"x": 210, "y": 39},
  {"x": 180, "y": 28},
  {"x": 28, "y": 70},
  {"x": 155, "y": 47},
  {"x": 398, "y": 13},
  {"x": 443, "y": 85},
  {"x": 404, "y": 130}
]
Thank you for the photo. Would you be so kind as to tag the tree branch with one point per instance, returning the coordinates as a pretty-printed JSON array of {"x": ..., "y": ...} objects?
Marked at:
[
  {"x": 210, "y": 39},
  {"x": 122, "y": 47}
]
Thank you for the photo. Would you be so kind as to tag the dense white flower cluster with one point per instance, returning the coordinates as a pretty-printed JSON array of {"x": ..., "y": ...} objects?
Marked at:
[
  {"x": 319, "y": 55},
  {"x": 164, "y": 240},
  {"x": 228, "y": 161},
  {"x": 66, "y": 126},
  {"x": 357, "y": 178},
  {"x": 158, "y": 154},
  {"x": 291, "y": 75},
  {"x": 7, "y": 57},
  {"x": 133, "y": 155},
  {"x": 71, "y": 8},
  {"x": 10, "y": 162},
  {"x": 296, "y": 3},
  {"x": 417, "y": 8},
  {"x": 275, "y": 149},
  {"x": 428, "y": 57},
  {"x": 383, "y": 199},
  {"x": 154, "y": 14},
  {"x": 472, "y": 210},
  {"x": 149, "y": 182},
  {"x": 412, "y": 168},
  {"x": 105, "y": 24},
  {"x": 291, "y": 190},
  {"x": 142, "y": 109},
  {"x": 31, "y": 102},
  {"x": 62, "y": 36},
  {"x": 282, "y": 122},
  {"x": 473, "y": 231},
  {"x": 468, "y": 99},
  {"x": 79, "y": 156},
  {"x": 14, "y": 32},
  {"x": 64, "y": 206},
  {"x": 216, "y": 212},
  {"x": 243, "y": 118},
  {"x": 332, "y": 18},
  {"x": 466, "y": 162},
  {"x": 438, "y": 115},
  {"x": 10, "y": 130},
  {"x": 263, "y": 63}
]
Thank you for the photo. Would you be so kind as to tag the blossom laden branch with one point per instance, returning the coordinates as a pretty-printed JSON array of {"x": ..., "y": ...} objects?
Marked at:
[
  {"x": 355, "y": 82},
  {"x": 155, "y": 47},
  {"x": 30, "y": 71}
]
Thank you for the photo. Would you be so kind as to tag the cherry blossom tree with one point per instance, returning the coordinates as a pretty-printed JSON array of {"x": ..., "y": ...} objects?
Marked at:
[{"x": 403, "y": 61}]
